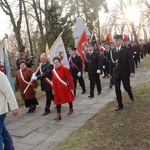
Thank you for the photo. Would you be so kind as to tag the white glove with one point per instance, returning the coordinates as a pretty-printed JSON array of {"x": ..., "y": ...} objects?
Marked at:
[
  {"x": 79, "y": 74},
  {"x": 134, "y": 52},
  {"x": 98, "y": 71},
  {"x": 33, "y": 78},
  {"x": 103, "y": 67},
  {"x": 33, "y": 75}
]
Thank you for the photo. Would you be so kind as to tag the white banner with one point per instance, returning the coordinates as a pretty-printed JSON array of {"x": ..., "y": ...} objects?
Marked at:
[{"x": 58, "y": 49}]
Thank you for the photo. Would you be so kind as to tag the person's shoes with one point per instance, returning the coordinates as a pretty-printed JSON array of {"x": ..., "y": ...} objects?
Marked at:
[
  {"x": 83, "y": 92},
  {"x": 98, "y": 93},
  {"x": 70, "y": 111},
  {"x": 118, "y": 108},
  {"x": 58, "y": 117},
  {"x": 46, "y": 113},
  {"x": 33, "y": 108},
  {"x": 110, "y": 86},
  {"x": 132, "y": 98},
  {"x": 29, "y": 110},
  {"x": 91, "y": 96}
]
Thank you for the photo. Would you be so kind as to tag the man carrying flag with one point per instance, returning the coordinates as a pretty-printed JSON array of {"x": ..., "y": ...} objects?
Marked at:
[{"x": 45, "y": 76}]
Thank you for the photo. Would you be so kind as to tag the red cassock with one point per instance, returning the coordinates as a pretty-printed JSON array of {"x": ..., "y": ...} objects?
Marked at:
[{"x": 62, "y": 92}]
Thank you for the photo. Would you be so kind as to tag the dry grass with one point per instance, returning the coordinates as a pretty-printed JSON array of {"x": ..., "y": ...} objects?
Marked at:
[{"x": 128, "y": 129}]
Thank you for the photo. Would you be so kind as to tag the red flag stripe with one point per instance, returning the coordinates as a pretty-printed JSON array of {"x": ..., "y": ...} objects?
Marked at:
[{"x": 82, "y": 39}]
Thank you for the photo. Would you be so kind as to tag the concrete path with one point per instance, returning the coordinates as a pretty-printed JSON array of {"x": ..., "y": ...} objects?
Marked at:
[{"x": 37, "y": 132}]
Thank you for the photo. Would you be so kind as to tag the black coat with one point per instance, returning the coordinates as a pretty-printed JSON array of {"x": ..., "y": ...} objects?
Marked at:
[
  {"x": 125, "y": 65},
  {"x": 93, "y": 63},
  {"x": 47, "y": 73},
  {"x": 74, "y": 69}
]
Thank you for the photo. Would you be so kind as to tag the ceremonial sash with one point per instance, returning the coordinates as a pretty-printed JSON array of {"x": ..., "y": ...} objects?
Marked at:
[
  {"x": 22, "y": 77},
  {"x": 48, "y": 81},
  {"x": 61, "y": 81},
  {"x": 73, "y": 64}
]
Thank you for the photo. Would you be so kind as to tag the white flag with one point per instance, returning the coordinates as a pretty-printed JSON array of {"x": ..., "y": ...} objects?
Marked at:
[{"x": 58, "y": 49}]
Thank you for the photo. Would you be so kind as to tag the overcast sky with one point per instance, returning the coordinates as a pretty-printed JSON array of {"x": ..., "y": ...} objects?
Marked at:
[{"x": 4, "y": 24}]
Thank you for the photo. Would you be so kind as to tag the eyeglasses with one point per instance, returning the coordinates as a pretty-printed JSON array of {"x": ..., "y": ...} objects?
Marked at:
[{"x": 56, "y": 62}]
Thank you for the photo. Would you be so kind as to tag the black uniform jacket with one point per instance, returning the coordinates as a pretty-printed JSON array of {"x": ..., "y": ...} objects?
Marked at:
[
  {"x": 93, "y": 63},
  {"x": 75, "y": 64},
  {"x": 125, "y": 64}
]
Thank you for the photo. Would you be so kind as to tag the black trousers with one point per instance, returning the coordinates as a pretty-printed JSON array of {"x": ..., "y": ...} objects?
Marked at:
[
  {"x": 49, "y": 98},
  {"x": 127, "y": 87},
  {"x": 94, "y": 79},
  {"x": 135, "y": 60},
  {"x": 59, "y": 107},
  {"x": 81, "y": 83}
]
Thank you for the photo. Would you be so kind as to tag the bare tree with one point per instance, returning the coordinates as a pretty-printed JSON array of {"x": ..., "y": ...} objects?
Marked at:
[
  {"x": 28, "y": 30},
  {"x": 7, "y": 8}
]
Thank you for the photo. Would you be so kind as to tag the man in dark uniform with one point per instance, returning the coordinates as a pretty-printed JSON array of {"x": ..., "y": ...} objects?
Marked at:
[
  {"x": 45, "y": 76},
  {"x": 105, "y": 59},
  {"x": 136, "y": 53},
  {"x": 93, "y": 66},
  {"x": 122, "y": 68},
  {"x": 76, "y": 67}
]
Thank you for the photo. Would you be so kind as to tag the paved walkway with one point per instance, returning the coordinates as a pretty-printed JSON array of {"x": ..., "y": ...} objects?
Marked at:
[{"x": 37, "y": 132}]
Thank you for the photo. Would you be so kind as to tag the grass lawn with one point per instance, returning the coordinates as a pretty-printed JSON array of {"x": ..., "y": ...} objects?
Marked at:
[{"x": 128, "y": 129}]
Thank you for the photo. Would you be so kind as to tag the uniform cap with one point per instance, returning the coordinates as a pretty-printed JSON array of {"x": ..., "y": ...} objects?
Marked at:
[{"x": 117, "y": 37}]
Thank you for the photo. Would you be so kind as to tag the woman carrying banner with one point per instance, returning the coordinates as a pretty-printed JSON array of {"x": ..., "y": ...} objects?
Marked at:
[
  {"x": 23, "y": 77},
  {"x": 63, "y": 87}
]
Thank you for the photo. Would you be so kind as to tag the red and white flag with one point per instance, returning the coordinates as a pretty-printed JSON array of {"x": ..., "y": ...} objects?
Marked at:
[{"x": 82, "y": 39}]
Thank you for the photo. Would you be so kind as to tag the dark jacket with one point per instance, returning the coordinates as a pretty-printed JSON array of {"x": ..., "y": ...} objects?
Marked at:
[
  {"x": 46, "y": 73},
  {"x": 93, "y": 63},
  {"x": 75, "y": 64},
  {"x": 125, "y": 64}
]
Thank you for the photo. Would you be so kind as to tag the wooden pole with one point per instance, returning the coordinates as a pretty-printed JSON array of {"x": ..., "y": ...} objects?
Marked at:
[{"x": 31, "y": 80}]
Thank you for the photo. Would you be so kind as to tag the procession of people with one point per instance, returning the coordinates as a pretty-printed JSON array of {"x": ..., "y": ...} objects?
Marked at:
[
  {"x": 116, "y": 63},
  {"x": 108, "y": 64}
]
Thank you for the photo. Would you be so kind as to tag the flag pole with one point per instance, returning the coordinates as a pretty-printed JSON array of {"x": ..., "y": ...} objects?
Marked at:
[
  {"x": 31, "y": 80},
  {"x": 92, "y": 35},
  {"x": 2, "y": 40},
  {"x": 55, "y": 42}
]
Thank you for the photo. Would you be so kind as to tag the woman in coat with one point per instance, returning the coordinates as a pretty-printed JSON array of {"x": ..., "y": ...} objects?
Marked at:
[
  {"x": 63, "y": 87},
  {"x": 23, "y": 77}
]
